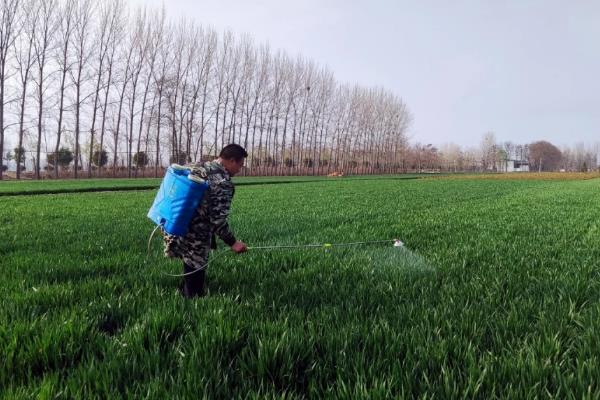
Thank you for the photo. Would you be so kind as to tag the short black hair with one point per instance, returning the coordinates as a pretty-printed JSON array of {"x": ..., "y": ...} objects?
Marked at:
[{"x": 233, "y": 152}]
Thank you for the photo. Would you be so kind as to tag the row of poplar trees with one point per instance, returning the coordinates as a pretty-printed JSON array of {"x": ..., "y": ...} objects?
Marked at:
[{"x": 118, "y": 85}]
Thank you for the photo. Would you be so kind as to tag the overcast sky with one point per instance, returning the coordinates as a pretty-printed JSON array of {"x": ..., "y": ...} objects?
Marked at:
[{"x": 524, "y": 69}]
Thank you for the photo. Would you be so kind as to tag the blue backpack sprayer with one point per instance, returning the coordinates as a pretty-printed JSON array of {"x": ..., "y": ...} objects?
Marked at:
[{"x": 178, "y": 196}]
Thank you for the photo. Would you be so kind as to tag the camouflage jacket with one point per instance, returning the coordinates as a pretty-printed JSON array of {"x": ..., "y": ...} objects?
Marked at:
[{"x": 212, "y": 213}]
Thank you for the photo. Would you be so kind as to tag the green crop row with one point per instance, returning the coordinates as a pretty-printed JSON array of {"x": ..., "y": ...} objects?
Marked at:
[
  {"x": 496, "y": 295},
  {"x": 17, "y": 188}
]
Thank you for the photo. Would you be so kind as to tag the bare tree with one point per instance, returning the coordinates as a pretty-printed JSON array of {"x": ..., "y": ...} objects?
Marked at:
[
  {"x": 126, "y": 67},
  {"x": 42, "y": 45},
  {"x": 102, "y": 35},
  {"x": 323, "y": 119},
  {"x": 66, "y": 30},
  {"x": 260, "y": 80},
  {"x": 597, "y": 155},
  {"x": 8, "y": 34},
  {"x": 236, "y": 78},
  {"x": 221, "y": 79},
  {"x": 177, "y": 82},
  {"x": 231, "y": 77},
  {"x": 164, "y": 43},
  {"x": 83, "y": 50},
  {"x": 114, "y": 36},
  {"x": 507, "y": 153},
  {"x": 544, "y": 156},
  {"x": 24, "y": 52},
  {"x": 276, "y": 104},
  {"x": 141, "y": 42},
  {"x": 247, "y": 80},
  {"x": 206, "y": 62},
  {"x": 451, "y": 156},
  {"x": 488, "y": 151},
  {"x": 292, "y": 90},
  {"x": 308, "y": 85},
  {"x": 152, "y": 46},
  {"x": 189, "y": 91}
]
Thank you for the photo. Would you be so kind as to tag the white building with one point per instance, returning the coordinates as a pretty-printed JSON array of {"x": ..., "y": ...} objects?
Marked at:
[{"x": 513, "y": 166}]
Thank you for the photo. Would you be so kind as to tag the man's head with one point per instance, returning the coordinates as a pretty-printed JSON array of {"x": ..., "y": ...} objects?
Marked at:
[{"x": 232, "y": 158}]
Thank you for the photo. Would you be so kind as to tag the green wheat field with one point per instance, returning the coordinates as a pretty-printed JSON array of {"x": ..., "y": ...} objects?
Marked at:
[{"x": 496, "y": 293}]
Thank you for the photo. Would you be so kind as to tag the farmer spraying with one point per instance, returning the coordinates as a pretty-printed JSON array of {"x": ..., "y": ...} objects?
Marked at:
[
  {"x": 210, "y": 219},
  {"x": 192, "y": 206}
]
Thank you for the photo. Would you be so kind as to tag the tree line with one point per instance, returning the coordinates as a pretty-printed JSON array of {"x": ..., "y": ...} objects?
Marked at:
[
  {"x": 492, "y": 155},
  {"x": 94, "y": 87}
]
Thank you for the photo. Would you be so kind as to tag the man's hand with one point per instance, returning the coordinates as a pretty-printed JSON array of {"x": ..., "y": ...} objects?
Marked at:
[{"x": 239, "y": 247}]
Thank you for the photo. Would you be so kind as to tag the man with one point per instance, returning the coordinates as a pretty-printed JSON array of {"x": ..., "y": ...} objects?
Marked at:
[{"x": 210, "y": 219}]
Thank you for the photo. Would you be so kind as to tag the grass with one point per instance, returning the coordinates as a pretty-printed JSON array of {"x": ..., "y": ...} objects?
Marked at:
[{"x": 498, "y": 297}]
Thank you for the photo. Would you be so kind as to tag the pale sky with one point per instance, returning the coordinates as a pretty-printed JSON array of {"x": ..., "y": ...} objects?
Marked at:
[{"x": 524, "y": 69}]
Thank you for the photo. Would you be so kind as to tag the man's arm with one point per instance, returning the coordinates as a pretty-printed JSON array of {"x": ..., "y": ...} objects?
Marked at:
[{"x": 221, "y": 197}]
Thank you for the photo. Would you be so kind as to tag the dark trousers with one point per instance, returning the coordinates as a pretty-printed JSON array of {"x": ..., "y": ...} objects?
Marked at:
[{"x": 193, "y": 282}]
